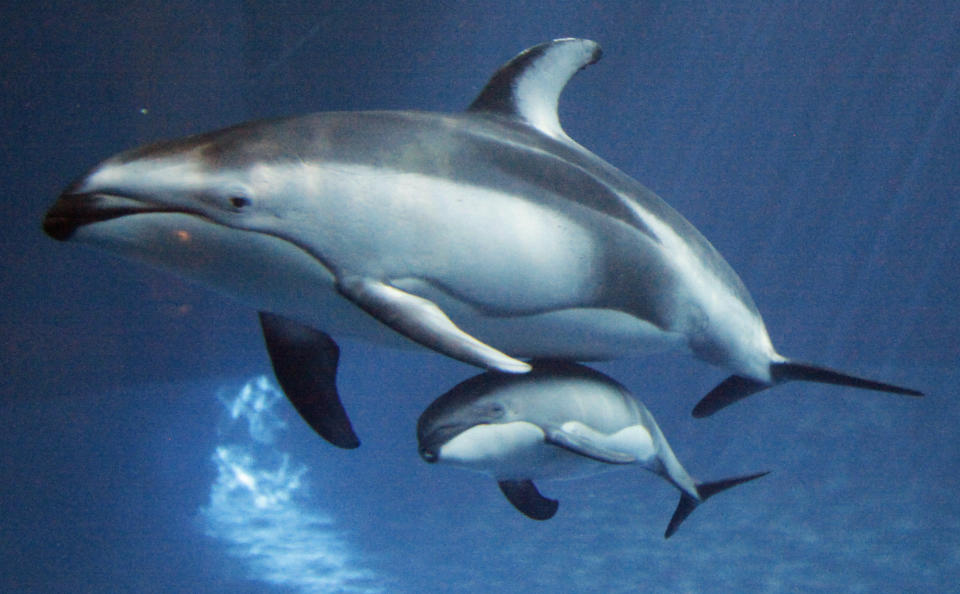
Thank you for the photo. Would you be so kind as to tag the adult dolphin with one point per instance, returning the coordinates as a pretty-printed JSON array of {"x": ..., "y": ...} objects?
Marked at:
[
  {"x": 560, "y": 421},
  {"x": 488, "y": 236}
]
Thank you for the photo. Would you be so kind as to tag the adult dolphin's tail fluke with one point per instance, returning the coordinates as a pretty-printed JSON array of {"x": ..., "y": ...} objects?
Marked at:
[{"x": 737, "y": 387}]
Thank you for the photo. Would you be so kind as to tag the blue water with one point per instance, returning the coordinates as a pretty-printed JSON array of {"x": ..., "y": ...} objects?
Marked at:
[{"x": 815, "y": 145}]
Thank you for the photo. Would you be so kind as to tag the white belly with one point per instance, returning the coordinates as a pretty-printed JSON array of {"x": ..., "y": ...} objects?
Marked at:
[
  {"x": 270, "y": 274},
  {"x": 518, "y": 451}
]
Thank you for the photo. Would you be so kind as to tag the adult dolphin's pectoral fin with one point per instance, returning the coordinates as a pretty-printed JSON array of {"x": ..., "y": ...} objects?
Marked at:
[
  {"x": 527, "y": 499},
  {"x": 736, "y": 387},
  {"x": 305, "y": 364},
  {"x": 422, "y": 321},
  {"x": 706, "y": 490},
  {"x": 583, "y": 445}
]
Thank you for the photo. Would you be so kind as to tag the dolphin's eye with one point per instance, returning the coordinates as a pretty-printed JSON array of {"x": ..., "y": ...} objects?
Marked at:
[
  {"x": 490, "y": 410},
  {"x": 239, "y": 201}
]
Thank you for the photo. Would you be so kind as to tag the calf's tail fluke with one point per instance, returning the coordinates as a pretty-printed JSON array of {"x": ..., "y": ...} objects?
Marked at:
[
  {"x": 706, "y": 490},
  {"x": 737, "y": 387}
]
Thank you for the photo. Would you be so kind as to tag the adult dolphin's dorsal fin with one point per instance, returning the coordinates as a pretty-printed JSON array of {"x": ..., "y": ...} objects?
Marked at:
[
  {"x": 527, "y": 499},
  {"x": 305, "y": 364},
  {"x": 528, "y": 87}
]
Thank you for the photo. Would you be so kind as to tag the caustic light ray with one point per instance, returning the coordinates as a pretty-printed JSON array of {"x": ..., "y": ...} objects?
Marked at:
[{"x": 260, "y": 505}]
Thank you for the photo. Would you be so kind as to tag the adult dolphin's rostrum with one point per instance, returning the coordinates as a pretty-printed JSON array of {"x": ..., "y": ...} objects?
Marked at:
[
  {"x": 488, "y": 236},
  {"x": 561, "y": 420}
]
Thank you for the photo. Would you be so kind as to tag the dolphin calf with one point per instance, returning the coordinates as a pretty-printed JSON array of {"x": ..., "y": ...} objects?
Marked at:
[
  {"x": 489, "y": 236},
  {"x": 561, "y": 420}
]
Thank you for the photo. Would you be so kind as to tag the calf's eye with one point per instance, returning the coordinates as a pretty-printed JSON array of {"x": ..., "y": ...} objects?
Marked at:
[{"x": 239, "y": 201}]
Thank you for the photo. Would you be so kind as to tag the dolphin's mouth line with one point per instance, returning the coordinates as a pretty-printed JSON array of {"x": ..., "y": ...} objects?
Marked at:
[
  {"x": 73, "y": 211},
  {"x": 436, "y": 437}
]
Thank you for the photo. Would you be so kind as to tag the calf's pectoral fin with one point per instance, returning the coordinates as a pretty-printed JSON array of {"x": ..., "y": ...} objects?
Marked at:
[
  {"x": 527, "y": 499},
  {"x": 422, "y": 321},
  {"x": 305, "y": 365},
  {"x": 585, "y": 446}
]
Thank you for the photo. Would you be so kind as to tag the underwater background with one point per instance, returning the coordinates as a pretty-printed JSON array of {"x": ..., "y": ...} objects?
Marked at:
[{"x": 144, "y": 447}]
